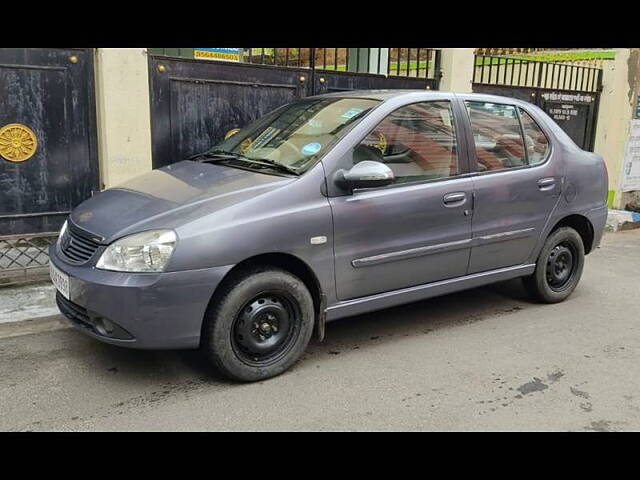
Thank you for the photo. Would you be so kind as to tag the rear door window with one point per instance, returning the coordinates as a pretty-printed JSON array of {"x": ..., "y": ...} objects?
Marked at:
[{"x": 497, "y": 136}]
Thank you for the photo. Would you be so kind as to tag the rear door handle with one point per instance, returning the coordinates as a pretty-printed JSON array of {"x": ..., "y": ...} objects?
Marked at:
[
  {"x": 454, "y": 199},
  {"x": 547, "y": 183}
]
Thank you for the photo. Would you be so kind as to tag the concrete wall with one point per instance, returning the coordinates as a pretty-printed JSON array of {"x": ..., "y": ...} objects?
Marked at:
[
  {"x": 457, "y": 69},
  {"x": 124, "y": 126},
  {"x": 620, "y": 85}
]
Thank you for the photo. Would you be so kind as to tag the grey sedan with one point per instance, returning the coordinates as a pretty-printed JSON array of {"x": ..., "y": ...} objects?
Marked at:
[{"x": 329, "y": 207}]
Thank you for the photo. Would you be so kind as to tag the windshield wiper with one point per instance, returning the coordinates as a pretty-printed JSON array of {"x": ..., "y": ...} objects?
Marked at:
[
  {"x": 212, "y": 155},
  {"x": 274, "y": 164}
]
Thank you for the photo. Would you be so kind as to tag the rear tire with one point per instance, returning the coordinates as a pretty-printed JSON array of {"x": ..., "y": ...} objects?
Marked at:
[
  {"x": 258, "y": 325},
  {"x": 558, "y": 268}
]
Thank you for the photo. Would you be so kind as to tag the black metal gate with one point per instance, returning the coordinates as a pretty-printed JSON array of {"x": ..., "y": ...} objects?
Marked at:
[
  {"x": 570, "y": 94},
  {"x": 48, "y": 157},
  {"x": 195, "y": 102}
]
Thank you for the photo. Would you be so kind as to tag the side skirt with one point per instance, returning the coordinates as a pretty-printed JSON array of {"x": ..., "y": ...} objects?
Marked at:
[{"x": 421, "y": 292}]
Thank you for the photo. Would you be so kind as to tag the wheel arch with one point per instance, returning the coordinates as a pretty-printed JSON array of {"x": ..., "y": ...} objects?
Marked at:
[
  {"x": 284, "y": 261},
  {"x": 580, "y": 224}
]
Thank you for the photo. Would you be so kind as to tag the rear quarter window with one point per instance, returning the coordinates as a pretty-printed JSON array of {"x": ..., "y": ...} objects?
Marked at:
[{"x": 536, "y": 142}]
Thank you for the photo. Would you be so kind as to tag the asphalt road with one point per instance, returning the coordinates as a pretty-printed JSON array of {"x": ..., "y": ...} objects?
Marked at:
[{"x": 485, "y": 359}]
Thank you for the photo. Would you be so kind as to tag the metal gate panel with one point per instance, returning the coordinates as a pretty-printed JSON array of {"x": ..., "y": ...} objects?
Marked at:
[
  {"x": 569, "y": 94},
  {"x": 575, "y": 112},
  {"x": 194, "y": 103},
  {"x": 328, "y": 81},
  {"x": 521, "y": 93},
  {"x": 51, "y": 92}
]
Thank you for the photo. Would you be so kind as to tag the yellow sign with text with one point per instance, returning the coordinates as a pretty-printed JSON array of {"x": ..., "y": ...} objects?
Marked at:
[{"x": 225, "y": 54}]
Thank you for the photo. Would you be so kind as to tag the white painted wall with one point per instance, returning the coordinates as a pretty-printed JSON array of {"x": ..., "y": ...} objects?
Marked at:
[
  {"x": 457, "y": 69},
  {"x": 614, "y": 116},
  {"x": 123, "y": 110}
]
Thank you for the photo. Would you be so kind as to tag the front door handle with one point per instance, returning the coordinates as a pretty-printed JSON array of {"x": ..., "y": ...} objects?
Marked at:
[
  {"x": 454, "y": 199},
  {"x": 547, "y": 183}
]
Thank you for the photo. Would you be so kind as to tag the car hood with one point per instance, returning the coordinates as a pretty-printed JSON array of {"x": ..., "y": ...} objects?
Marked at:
[{"x": 162, "y": 197}]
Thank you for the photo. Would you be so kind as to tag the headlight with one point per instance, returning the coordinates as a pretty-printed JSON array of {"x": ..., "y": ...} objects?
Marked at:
[
  {"x": 141, "y": 252},
  {"x": 62, "y": 231}
]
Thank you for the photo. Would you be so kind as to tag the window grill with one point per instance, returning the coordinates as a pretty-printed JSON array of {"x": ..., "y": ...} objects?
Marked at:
[
  {"x": 23, "y": 255},
  {"x": 404, "y": 62}
]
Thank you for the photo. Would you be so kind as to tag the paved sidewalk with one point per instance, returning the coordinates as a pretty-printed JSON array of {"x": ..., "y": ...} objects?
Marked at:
[
  {"x": 622, "y": 220},
  {"x": 27, "y": 302}
]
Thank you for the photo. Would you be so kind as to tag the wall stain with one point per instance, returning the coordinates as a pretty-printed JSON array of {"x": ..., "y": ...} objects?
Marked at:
[{"x": 633, "y": 71}]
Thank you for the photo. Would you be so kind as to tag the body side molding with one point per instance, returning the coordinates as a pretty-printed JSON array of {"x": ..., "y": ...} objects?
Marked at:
[
  {"x": 441, "y": 247},
  {"x": 498, "y": 237},
  {"x": 379, "y": 301},
  {"x": 411, "y": 253}
]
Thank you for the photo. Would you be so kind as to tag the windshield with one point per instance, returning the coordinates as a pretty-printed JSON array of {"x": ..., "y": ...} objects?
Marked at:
[{"x": 298, "y": 133}]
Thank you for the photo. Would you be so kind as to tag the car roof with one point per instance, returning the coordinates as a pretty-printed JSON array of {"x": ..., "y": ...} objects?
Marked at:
[
  {"x": 374, "y": 94},
  {"x": 385, "y": 95}
]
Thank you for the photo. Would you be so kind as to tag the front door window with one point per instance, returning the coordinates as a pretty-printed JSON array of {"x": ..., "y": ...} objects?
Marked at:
[{"x": 417, "y": 142}]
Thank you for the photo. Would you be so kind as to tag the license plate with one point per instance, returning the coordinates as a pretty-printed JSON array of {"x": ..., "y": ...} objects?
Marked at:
[{"x": 60, "y": 280}]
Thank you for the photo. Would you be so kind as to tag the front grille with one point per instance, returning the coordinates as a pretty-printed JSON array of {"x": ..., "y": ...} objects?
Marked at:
[{"x": 77, "y": 246}]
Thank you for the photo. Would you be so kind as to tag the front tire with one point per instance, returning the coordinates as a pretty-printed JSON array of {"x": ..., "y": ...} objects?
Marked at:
[
  {"x": 258, "y": 325},
  {"x": 558, "y": 268}
]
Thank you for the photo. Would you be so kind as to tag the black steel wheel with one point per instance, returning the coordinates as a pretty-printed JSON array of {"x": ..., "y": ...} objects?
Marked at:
[
  {"x": 561, "y": 266},
  {"x": 558, "y": 268},
  {"x": 263, "y": 329},
  {"x": 258, "y": 324}
]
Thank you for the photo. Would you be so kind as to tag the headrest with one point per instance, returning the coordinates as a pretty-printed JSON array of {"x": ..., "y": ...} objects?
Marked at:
[{"x": 366, "y": 152}]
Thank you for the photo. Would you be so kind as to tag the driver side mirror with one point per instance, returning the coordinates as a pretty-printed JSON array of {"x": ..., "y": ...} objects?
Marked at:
[{"x": 365, "y": 174}]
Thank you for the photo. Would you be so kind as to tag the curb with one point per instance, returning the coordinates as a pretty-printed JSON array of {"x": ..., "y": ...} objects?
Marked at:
[
  {"x": 24, "y": 302},
  {"x": 622, "y": 220}
]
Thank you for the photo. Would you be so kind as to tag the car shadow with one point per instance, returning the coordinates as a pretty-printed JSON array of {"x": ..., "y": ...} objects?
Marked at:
[{"x": 423, "y": 317}]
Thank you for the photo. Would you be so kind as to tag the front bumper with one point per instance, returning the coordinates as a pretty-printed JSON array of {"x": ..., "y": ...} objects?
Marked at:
[{"x": 140, "y": 310}]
